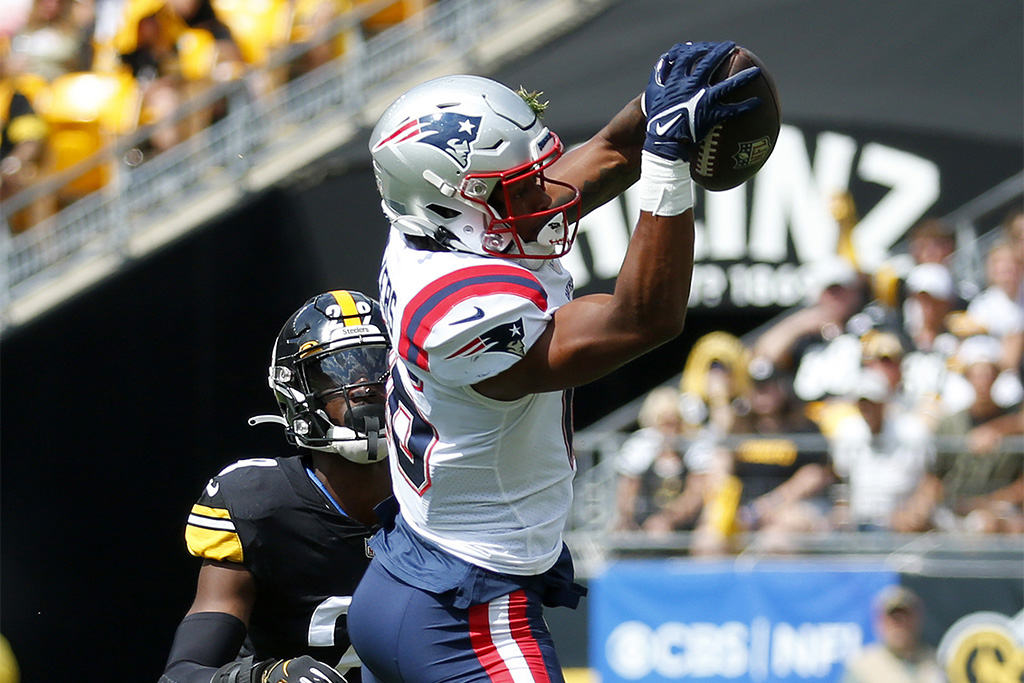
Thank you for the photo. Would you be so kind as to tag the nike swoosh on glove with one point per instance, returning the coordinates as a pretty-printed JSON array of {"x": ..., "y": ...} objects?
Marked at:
[{"x": 682, "y": 106}]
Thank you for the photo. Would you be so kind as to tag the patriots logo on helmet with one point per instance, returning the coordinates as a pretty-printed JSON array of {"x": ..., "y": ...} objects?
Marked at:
[
  {"x": 449, "y": 131},
  {"x": 507, "y": 338}
]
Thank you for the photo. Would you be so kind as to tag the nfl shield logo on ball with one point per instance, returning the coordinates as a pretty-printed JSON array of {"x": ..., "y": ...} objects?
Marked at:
[{"x": 752, "y": 153}]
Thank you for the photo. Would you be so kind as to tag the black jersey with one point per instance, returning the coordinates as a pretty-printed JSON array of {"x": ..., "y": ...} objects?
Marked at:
[
  {"x": 764, "y": 463},
  {"x": 306, "y": 557}
]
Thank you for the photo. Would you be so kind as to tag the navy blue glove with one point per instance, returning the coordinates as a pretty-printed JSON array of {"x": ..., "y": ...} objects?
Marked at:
[{"x": 681, "y": 106}]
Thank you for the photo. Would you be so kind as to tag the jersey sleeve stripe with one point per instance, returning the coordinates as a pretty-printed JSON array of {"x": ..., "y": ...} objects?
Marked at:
[
  {"x": 207, "y": 511},
  {"x": 212, "y": 544},
  {"x": 208, "y": 523},
  {"x": 442, "y": 295}
]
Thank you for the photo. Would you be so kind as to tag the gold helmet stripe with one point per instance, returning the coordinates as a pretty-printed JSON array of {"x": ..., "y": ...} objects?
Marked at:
[{"x": 349, "y": 312}]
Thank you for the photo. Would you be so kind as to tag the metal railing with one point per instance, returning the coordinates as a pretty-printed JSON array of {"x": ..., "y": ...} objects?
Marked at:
[{"x": 591, "y": 533}]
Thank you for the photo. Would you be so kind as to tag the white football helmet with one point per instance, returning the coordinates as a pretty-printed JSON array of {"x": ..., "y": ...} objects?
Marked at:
[{"x": 443, "y": 150}]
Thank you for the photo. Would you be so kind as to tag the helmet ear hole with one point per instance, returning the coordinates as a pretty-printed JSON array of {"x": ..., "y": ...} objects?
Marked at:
[{"x": 445, "y": 212}]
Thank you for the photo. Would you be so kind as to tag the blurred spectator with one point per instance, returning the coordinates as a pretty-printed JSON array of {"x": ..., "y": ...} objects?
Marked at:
[
  {"x": 55, "y": 40},
  {"x": 397, "y": 11},
  {"x": 310, "y": 21},
  {"x": 834, "y": 294},
  {"x": 880, "y": 453},
  {"x": 202, "y": 15},
  {"x": 22, "y": 142},
  {"x": 657, "y": 488},
  {"x": 899, "y": 656},
  {"x": 24, "y": 132},
  {"x": 930, "y": 300},
  {"x": 997, "y": 308},
  {"x": 810, "y": 344},
  {"x": 772, "y": 481},
  {"x": 150, "y": 42},
  {"x": 883, "y": 351},
  {"x": 931, "y": 241},
  {"x": 977, "y": 487},
  {"x": 1013, "y": 227},
  {"x": 931, "y": 296}
]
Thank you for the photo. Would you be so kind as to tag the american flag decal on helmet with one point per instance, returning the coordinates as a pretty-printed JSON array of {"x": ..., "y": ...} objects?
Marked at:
[{"x": 449, "y": 131}]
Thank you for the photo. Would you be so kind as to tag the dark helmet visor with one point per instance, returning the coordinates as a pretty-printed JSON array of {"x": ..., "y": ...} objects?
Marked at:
[{"x": 346, "y": 367}]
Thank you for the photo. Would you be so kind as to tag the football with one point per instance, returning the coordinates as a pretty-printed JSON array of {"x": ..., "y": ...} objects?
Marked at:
[{"x": 736, "y": 149}]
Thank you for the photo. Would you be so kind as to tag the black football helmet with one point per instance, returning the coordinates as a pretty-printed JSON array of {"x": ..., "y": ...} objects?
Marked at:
[{"x": 334, "y": 347}]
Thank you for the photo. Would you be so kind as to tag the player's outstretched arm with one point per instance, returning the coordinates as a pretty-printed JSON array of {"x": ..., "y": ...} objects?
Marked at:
[
  {"x": 607, "y": 164},
  {"x": 591, "y": 336}
]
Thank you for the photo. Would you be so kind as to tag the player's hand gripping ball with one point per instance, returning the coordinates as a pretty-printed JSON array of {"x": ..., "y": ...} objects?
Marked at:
[
  {"x": 683, "y": 101},
  {"x": 736, "y": 148}
]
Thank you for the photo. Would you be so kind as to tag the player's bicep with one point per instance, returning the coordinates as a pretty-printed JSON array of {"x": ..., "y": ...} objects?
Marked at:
[
  {"x": 585, "y": 340},
  {"x": 225, "y": 587}
]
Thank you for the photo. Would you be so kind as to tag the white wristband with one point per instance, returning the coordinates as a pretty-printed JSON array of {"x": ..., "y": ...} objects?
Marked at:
[{"x": 665, "y": 186}]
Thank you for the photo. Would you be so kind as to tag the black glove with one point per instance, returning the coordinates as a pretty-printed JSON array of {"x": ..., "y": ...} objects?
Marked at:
[
  {"x": 304, "y": 669},
  {"x": 680, "y": 103}
]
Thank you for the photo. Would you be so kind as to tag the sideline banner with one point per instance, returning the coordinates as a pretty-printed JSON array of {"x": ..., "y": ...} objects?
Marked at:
[{"x": 671, "y": 620}]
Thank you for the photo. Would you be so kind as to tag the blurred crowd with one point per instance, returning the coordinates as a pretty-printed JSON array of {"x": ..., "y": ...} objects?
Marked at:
[
  {"x": 888, "y": 402},
  {"x": 76, "y": 74}
]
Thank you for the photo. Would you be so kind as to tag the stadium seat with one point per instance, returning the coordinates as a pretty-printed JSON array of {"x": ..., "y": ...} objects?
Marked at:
[
  {"x": 311, "y": 16},
  {"x": 125, "y": 40},
  {"x": 85, "y": 111},
  {"x": 197, "y": 53},
  {"x": 258, "y": 26},
  {"x": 27, "y": 127},
  {"x": 29, "y": 85},
  {"x": 392, "y": 14}
]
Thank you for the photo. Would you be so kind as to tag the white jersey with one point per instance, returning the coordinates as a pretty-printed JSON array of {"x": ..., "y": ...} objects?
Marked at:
[
  {"x": 488, "y": 481},
  {"x": 997, "y": 312},
  {"x": 882, "y": 470}
]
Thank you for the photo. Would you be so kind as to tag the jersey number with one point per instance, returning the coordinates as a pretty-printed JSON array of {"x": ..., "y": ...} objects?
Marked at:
[
  {"x": 412, "y": 435},
  {"x": 323, "y": 624}
]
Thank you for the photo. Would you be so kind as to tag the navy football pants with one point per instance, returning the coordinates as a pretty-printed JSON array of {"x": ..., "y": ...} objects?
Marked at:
[{"x": 406, "y": 635}]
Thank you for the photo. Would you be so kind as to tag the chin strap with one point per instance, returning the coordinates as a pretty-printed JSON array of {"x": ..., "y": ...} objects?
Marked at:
[
  {"x": 373, "y": 428},
  {"x": 346, "y": 441}
]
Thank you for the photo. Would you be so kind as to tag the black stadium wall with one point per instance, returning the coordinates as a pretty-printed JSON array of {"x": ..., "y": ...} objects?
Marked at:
[{"x": 117, "y": 406}]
